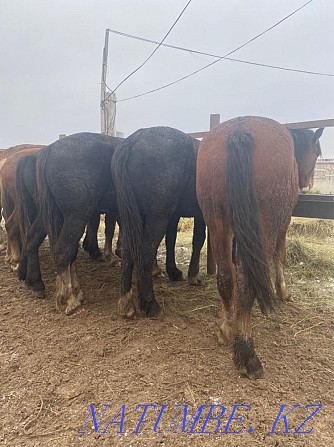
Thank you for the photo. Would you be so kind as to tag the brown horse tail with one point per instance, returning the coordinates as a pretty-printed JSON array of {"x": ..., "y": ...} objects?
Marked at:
[
  {"x": 50, "y": 214},
  {"x": 26, "y": 205},
  {"x": 130, "y": 217},
  {"x": 243, "y": 214}
]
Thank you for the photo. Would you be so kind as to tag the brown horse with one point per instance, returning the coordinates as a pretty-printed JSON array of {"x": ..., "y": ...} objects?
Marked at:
[
  {"x": 248, "y": 173},
  {"x": 4, "y": 154},
  {"x": 10, "y": 204}
]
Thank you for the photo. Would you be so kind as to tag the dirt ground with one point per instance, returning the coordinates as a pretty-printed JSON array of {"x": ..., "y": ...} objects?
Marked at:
[{"x": 53, "y": 367}]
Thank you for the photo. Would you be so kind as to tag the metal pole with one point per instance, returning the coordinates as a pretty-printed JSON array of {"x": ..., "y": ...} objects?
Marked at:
[{"x": 210, "y": 261}]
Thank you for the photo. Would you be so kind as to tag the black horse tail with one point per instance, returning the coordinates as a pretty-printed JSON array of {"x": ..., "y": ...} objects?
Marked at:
[
  {"x": 243, "y": 213},
  {"x": 26, "y": 205},
  {"x": 50, "y": 214},
  {"x": 130, "y": 217}
]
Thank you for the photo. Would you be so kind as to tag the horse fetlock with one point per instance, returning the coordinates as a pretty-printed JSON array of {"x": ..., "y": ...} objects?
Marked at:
[
  {"x": 73, "y": 304},
  {"x": 175, "y": 274},
  {"x": 126, "y": 305},
  {"x": 154, "y": 311},
  {"x": 245, "y": 358},
  {"x": 224, "y": 334},
  {"x": 195, "y": 281},
  {"x": 113, "y": 260}
]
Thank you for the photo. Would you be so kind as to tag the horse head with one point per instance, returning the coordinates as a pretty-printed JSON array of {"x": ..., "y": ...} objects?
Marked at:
[{"x": 307, "y": 150}]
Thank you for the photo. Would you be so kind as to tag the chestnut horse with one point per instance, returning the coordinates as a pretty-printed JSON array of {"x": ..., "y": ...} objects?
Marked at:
[
  {"x": 248, "y": 173},
  {"x": 10, "y": 205},
  {"x": 4, "y": 154}
]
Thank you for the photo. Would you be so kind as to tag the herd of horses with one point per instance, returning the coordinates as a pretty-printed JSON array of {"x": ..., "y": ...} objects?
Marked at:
[{"x": 241, "y": 180}]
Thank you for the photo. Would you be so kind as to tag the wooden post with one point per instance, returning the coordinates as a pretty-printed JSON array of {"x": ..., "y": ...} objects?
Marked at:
[
  {"x": 108, "y": 99},
  {"x": 210, "y": 262}
]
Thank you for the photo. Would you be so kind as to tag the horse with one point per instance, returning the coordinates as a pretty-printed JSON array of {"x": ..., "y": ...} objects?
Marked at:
[
  {"x": 9, "y": 203},
  {"x": 154, "y": 172},
  {"x": 249, "y": 170},
  {"x": 4, "y": 154},
  {"x": 68, "y": 182}
]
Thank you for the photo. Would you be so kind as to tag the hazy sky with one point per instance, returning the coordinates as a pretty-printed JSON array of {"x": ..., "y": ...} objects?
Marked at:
[{"x": 51, "y": 56}]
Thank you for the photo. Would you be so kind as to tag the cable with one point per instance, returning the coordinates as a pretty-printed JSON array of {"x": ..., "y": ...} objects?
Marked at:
[
  {"x": 218, "y": 60},
  {"x": 155, "y": 49},
  {"x": 202, "y": 53}
]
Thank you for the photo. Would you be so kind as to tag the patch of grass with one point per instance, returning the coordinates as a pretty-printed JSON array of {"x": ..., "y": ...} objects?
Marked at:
[{"x": 186, "y": 224}]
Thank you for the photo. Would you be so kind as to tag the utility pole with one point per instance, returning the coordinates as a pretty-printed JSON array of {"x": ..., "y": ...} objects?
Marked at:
[{"x": 108, "y": 99}]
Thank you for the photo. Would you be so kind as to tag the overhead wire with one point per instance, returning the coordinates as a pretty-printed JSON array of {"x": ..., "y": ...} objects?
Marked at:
[
  {"x": 155, "y": 49},
  {"x": 202, "y": 53},
  {"x": 219, "y": 58}
]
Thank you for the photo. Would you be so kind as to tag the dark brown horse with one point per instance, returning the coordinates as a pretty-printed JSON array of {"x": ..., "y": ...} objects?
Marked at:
[{"x": 248, "y": 173}]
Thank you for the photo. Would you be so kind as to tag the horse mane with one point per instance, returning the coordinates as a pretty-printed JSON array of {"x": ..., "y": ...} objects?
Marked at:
[{"x": 302, "y": 139}]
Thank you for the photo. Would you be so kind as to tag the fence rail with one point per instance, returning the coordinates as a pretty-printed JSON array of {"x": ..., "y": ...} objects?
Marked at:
[{"x": 301, "y": 125}]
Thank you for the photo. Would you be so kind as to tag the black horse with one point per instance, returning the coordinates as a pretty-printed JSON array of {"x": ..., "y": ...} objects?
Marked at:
[
  {"x": 73, "y": 184},
  {"x": 154, "y": 171},
  {"x": 32, "y": 228}
]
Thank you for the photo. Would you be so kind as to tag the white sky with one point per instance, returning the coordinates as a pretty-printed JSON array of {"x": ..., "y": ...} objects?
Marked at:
[{"x": 51, "y": 56}]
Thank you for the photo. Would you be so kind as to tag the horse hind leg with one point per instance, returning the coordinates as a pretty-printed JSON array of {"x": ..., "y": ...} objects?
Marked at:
[
  {"x": 14, "y": 239},
  {"x": 282, "y": 290},
  {"x": 173, "y": 272},
  {"x": 126, "y": 305},
  {"x": 198, "y": 241},
  {"x": 157, "y": 271},
  {"x": 154, "y": 230},
  {"x": 245, "y": 357},
  {"x": 68, "y": 294},
  {"x": 2, "y": 239},
  {"x": 221, "y": 244},
  {"x": 110, "y": 224},
  {"x": 90, "y": 243}
]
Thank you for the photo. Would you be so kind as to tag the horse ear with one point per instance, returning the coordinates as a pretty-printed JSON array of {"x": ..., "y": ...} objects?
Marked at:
[{"x": 317, "y": 134}]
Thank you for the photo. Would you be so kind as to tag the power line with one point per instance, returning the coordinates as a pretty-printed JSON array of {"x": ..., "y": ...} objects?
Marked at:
[
  {"x": 202, "y": 53},
  {"x": 155, "y": 49},
  {"x": 219, "y": 58}
]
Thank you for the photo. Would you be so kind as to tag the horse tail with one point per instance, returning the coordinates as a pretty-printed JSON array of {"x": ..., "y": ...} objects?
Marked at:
[
  {"x": 243, "y": 214},
  {"x": 50, "y": 214},
  {"x": 130, "y": 217},
  {"x": 26, "y": 205}
]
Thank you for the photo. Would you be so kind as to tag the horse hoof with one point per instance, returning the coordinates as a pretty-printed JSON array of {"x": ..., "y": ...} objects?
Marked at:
[
  {"x": 14, "y": 267},
  {"x": 252, "y": 369},
  {"x": 126, "y": 307},
  {"x": 195, "y": 281},
  {"x": 114, "y": 261},
  {"x": 158, "y": 316},
  {"x": 40, "y": 294},
  {"x": 175, "y": 274},
  {"x": 73, "y": 309},
  {"x": 155, "y": 312}
]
